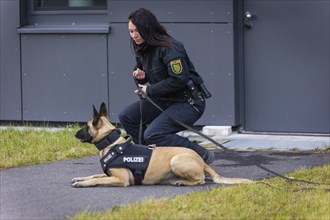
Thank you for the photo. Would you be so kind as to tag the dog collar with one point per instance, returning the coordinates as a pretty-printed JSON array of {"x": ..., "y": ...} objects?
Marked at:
[{"x": 108, "y": 140}]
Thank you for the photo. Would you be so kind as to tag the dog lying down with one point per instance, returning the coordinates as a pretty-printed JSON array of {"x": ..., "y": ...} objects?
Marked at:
[{"x": 127, "y": 164}]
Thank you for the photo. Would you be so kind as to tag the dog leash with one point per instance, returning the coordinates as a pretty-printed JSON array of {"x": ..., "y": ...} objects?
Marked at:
[
  {"x": 141, "y": 122},
  {"x": 141, "y": 93}
]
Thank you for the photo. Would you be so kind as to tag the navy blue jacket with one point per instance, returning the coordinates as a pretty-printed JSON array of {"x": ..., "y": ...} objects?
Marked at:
[{"x": 167, "y": 69}]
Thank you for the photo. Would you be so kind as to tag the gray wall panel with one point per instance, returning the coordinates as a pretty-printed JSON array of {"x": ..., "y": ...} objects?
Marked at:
[
  {"x": 213, "y": 59},
  {"x": 63, "y": 75},
  {"x": 210, "y": 47},
  {"x": 175, "y": 11},
  {"x": 10, "y": 78},
  {"x": 189, "y": 21},
  {"x": 121, "y": 63}
]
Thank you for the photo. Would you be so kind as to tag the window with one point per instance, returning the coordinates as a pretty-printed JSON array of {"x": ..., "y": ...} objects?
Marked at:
[{"x": 69, "y": 5}]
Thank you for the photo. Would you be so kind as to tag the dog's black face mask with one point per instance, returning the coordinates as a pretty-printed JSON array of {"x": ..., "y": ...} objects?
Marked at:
[{"x": 83, "y": 135}]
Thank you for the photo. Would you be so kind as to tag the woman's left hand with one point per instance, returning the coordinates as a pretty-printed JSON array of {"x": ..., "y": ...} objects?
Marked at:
[
  {"x": 143, "y": 88},
  {"x": 142, "y": 91}
]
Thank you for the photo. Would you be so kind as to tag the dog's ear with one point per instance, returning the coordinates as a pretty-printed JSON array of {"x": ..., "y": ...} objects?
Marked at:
[
  {"x": 96, "y": 116},
  {"x": 103, "y": 110}
]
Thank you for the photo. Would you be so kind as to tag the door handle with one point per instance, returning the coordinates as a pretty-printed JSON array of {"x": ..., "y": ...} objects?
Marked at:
[{"x": 248, "y": 17}]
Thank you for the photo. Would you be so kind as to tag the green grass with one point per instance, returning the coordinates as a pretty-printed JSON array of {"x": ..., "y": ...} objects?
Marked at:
[
  {"x": 256, "y": 201},
  {"x": 28, "y": 146}
]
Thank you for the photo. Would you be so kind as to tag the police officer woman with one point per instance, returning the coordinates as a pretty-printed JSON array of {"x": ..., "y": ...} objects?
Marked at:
[{"x": 165, "y": 74}]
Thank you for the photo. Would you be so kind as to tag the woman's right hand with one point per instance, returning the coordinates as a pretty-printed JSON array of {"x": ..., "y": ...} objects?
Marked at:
[{"x": 139, "y": 74}]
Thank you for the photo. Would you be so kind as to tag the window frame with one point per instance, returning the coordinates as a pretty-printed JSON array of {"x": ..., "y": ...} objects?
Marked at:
[{"x": 64, "y": 11}]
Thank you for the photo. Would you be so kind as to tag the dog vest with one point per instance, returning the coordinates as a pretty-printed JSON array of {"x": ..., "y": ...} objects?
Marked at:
[{"x": 134, "y": 157}]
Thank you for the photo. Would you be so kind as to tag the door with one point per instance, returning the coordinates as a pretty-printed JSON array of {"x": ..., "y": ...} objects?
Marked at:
[{"x": 286, "y": 66}]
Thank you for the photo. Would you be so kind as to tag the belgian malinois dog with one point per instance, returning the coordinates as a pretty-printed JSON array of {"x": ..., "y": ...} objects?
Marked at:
[{"x": 164, "y": 165}]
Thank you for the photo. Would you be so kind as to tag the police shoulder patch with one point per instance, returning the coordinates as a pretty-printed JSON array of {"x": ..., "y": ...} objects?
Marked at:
[{"x": 176, "y": 66}]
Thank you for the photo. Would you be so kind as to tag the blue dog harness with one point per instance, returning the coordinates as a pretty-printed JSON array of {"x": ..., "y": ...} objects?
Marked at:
[{"x": 134, "y": 157}]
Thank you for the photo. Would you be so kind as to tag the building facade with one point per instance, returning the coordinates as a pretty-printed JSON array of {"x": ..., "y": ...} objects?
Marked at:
[{"x": 266, "y": 63}]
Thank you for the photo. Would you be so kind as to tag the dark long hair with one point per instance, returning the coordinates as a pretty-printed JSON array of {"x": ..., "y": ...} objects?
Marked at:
[{"x": 149, "y": 28}]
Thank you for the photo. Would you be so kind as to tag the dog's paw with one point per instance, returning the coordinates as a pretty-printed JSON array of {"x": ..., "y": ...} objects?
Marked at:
[
  {"x": 178, "y": 183},
  {"x": 77, "y": 184},
  {"x": 82, "y": 184},
  {"x": 77, "y": 179}
]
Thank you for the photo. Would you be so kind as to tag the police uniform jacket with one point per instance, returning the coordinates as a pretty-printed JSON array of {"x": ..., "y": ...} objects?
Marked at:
[{"x": 167, "y": 70}]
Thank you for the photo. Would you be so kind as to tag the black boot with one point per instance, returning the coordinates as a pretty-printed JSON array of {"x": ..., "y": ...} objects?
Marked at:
[{"x": 207, "y": 156}]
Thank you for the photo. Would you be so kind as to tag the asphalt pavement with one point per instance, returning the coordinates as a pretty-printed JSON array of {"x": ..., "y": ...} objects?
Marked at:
[{"x": 44, "y": 191}]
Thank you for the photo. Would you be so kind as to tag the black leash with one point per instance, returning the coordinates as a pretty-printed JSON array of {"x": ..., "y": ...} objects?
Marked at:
[
  {"x": 220, "y": 145},
  {"x": 141, "y": 122}
]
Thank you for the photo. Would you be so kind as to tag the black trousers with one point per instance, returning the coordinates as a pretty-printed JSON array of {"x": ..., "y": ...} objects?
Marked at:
[{"x": 158, "y": 128}]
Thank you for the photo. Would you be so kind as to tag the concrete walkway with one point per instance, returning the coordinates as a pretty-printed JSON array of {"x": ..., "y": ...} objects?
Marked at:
[
  {"x": 237, "y": 141},
  {"x": 277, "y": 142}
]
